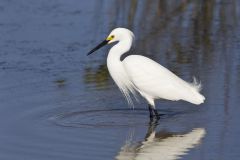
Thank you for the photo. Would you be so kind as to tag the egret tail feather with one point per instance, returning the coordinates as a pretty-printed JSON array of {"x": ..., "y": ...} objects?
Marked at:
[{"x": 196, "y": 84}]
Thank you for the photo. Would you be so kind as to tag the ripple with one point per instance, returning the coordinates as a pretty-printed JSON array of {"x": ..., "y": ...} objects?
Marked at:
[{"x": 106, "y": 118}]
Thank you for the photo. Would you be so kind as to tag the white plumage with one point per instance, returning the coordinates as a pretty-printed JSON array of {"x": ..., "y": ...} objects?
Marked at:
[
  {"x": 140, "y": 74},
  {"x": 154, "y": 81}
]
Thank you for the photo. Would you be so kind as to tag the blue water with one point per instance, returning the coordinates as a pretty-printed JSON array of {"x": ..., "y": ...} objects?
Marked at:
[{"x": 58, "y": 103}]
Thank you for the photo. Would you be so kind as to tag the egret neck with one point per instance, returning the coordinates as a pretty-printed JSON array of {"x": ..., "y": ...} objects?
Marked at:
[{"x": 116, "y": 67}]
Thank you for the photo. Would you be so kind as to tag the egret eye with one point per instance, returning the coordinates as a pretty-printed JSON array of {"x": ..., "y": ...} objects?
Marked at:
[{"x": 112, "y": 36}]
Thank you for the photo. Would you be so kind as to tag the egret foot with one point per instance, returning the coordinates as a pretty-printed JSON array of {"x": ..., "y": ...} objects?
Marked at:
[
  {"x": 153, "y": 122},
  {"x": 157, "y": 115}
]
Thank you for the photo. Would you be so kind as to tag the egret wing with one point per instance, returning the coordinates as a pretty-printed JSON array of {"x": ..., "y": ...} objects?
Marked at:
[{"x": 152, "y": 79}]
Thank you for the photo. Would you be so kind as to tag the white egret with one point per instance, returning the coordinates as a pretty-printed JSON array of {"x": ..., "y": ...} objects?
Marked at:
[{"x": 141, "y": 74}]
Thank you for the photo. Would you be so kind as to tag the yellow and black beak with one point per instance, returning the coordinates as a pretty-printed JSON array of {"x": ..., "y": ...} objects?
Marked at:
[{"x": 103, "y": 43}]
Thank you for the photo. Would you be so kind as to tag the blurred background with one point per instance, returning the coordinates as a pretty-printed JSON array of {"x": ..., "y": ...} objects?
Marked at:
[{"x": 58, "y": 103}]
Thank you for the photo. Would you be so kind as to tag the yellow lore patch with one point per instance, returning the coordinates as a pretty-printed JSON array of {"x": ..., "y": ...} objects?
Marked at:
[{"x": 110, "y": 38}]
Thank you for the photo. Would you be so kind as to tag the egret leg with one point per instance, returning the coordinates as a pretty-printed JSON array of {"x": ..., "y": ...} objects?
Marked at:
[{"x": 150, "y": 111}]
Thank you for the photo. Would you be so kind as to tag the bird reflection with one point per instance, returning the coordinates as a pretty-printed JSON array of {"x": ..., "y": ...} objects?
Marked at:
[{"x": 161, "y": 145}]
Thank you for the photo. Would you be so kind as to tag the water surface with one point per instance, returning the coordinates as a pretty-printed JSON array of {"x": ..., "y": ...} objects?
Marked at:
[{"x": 57, "y": 103}]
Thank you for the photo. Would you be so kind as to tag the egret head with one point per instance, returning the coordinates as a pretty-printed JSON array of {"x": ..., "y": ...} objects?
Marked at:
[{"x": 118, "y": 34}]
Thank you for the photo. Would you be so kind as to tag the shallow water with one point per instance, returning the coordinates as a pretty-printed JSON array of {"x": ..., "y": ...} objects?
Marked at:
[{"x": 57, "y": 103}]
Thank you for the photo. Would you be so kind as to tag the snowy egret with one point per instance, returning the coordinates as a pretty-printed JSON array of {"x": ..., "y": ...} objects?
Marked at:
[{"x": 136, "y": 73}]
